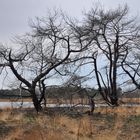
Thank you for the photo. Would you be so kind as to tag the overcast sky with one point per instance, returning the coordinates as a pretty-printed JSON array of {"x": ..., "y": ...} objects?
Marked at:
[{"x": 15, "y": 14}]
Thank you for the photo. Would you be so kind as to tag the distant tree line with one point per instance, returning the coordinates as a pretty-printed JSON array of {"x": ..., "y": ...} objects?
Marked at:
[
  {"x": 54, "y": 92},
  {"x": 51, "y": 92}
]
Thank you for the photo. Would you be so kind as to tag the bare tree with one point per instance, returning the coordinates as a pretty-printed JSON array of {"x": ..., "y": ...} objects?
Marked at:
[
  {"x": 131, "y": 64},
  {"x": 36, "y": 55},
  {"x": 107, "y": 36}
]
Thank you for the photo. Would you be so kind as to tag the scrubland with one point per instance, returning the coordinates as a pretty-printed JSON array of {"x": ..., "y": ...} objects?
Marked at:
[{"x": 106, "y": 123}]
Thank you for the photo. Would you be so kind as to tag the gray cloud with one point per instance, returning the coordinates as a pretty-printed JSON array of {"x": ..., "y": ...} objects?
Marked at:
[{"x": 14, "y": 14}]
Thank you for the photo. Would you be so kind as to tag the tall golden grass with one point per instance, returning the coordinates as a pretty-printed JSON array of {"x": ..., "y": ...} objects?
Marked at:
[{"x": 105, "y": 124}]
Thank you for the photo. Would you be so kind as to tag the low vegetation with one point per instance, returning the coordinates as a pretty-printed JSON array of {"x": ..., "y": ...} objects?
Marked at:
[{"x": 105, "y": 124}]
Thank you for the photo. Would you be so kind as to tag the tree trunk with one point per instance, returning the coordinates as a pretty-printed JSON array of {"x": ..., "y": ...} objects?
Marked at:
[
  {"x": 114, "y": 100},
  {"x": 36, "y": 103}
]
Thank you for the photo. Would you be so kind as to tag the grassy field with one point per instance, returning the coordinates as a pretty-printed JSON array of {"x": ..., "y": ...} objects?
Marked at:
[{"x": 121, "y": 123}]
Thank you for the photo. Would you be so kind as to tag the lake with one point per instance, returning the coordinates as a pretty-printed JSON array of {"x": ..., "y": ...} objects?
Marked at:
[{"x": 30, "y": 105}]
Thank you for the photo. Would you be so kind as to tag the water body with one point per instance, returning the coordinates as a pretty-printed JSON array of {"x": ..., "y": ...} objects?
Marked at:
[{"x": 30, "y": 105}]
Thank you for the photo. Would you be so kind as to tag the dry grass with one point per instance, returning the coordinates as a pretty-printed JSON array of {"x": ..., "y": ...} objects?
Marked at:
[{"x": 105, "y": 124}]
